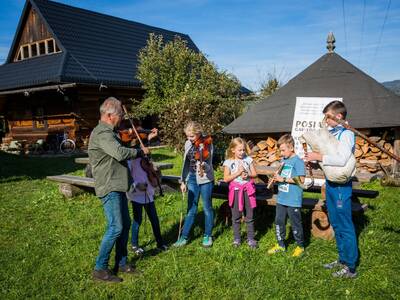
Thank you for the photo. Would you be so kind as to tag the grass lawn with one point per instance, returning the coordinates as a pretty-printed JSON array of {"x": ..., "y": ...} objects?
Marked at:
[{"x": 48, "y": 246}]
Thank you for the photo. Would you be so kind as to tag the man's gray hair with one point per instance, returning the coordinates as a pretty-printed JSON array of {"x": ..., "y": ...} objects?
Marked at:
[{"x": 111, "y": 106}]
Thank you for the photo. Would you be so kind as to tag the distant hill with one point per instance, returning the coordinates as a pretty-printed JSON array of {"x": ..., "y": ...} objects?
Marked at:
[{"x": 394, "y": 86}]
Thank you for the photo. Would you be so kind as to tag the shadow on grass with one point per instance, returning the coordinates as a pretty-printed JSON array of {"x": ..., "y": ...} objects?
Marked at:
[{"x": 16, "y": 167}]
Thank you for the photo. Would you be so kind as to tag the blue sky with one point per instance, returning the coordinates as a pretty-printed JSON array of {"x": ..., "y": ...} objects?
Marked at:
[{"x": 253, "y": 38}]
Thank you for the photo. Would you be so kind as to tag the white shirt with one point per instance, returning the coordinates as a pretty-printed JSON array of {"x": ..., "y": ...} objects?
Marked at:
[{"x": 344, "y": 151}]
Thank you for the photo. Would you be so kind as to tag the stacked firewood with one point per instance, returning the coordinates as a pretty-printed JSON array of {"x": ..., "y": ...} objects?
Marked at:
[
  {"x": 370, "y": 157},
  {"x": 266, "y": 153}
]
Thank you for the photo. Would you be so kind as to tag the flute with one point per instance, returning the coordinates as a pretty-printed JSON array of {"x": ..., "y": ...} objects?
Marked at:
[
  {"x": 271, "y": 180},
  {"x": 305, "y": 186},
  {"x": 308, "y": 164}
]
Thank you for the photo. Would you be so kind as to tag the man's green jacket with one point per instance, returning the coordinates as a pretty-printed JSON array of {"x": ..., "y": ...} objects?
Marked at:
[{"x": 108, "y": 159}]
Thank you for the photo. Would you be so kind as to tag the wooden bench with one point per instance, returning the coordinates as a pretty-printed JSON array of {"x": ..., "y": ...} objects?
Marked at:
[
  {"x": 319, "y": 218},
  {"x": 320, "y": 226},
  {"x": 158, "y": 165},
  {"x": 70, "y": 186}
]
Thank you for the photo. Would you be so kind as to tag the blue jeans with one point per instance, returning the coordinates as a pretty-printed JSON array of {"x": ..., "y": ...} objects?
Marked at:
[
  {"x": 151, "y": 212},
  {"x": 194, "y": 192},
  {"x": 116, "y": 211},
  {"x": 338, "y": 200}
]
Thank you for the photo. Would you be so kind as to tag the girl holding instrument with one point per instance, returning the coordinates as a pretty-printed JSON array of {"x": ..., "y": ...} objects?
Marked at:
[
  {"x": 144, "y": 180},
  {"x": 239, "y": 171},
  {"x": 197, "y": 178}
]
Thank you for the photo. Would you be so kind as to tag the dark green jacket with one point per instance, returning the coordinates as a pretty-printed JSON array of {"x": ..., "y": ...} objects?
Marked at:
[{"x": 108, "y": 160}]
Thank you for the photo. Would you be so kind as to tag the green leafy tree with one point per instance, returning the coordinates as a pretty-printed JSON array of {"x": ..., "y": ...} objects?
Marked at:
[
  {"x": 269, "y": 86},
  {"x": 182, "y": 85}
]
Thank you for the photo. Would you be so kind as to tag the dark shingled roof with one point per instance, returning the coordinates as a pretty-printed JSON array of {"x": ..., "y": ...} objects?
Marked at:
[
  {"x": 369, "y": 104},
  {"x": 95, "y": 48}
]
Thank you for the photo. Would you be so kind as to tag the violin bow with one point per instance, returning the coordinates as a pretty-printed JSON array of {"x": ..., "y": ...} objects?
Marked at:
[{"x": 133, "y": 126}]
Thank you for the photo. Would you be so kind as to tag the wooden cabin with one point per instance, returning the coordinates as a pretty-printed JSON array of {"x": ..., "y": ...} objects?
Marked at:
[{"x": 63, "y": 62}]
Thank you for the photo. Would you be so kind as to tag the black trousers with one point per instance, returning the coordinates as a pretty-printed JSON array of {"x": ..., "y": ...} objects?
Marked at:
[
  {"x": 295, "y": 221},
  {"x": 237, "y": 216}
]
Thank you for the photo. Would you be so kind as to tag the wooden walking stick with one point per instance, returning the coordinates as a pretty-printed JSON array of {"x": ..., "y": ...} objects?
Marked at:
[
  {"x": 347, "y": 126},
  {"x": 181, "y": 218}
]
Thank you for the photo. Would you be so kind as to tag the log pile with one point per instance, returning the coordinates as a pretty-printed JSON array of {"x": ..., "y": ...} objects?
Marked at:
[
  {"x": 369, "y": 157},
  {"x": 266, "y": 153}
]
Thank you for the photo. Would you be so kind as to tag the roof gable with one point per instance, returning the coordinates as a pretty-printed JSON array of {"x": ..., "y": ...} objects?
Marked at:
[
  {"x": 368, "y": 102},
  {"x": 97, "y": 48}
]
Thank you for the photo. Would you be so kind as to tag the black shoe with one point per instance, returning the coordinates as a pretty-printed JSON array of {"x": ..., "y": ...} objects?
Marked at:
[
  {"x": 128, "y": 269},
  {"x": 105, "y": 275},
  {"x": 162, "y": 248}
]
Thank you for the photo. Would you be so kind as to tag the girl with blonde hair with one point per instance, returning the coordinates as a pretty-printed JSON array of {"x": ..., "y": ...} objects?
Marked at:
[
  {"x": 239, "y": 171},
  {"x": 197, "y": 178}
]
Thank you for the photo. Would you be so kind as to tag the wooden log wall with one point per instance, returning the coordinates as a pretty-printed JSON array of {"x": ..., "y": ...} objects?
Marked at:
[
  {"x": 34, "y": 30},
  {"x": 266, "y": 153},
  {"x": 76, "y": 111},
  {"x": 90, "y": 99}
]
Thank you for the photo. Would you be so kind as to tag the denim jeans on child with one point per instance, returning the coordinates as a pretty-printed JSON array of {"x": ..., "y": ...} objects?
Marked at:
[
  {"x": 117, "y": 231},
  {"x": 338, "y": 200},
  {"x": 151, "y": 212},
  {"x": 294, "y": 214},
  {"x": 194, "y": 192}
]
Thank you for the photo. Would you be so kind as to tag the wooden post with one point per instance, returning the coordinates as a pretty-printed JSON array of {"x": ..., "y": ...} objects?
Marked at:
[
  {"x": 69, "y": 190},
  {"x": 396, "y": 150},
  {"x": 320, "y": 226}
]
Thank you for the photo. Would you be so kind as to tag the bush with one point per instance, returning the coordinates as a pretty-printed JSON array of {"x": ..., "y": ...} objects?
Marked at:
[{"x": 182, "y": 85}]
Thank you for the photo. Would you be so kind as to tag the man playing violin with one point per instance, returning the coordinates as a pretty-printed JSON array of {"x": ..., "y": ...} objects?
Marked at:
[{"x": 108, "y": 157}]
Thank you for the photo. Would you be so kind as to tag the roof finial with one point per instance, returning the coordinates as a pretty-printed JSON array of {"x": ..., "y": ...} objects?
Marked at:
[{"x": 330, "y": 42}]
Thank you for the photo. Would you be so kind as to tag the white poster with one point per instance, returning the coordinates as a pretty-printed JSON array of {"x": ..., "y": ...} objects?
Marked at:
[{"x": 308, "y": 116}]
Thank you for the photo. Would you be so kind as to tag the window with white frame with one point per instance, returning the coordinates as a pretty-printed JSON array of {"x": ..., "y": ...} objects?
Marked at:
[{"x": 38, "y": 48}]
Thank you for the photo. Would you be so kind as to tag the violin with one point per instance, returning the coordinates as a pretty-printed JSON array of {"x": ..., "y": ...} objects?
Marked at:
[
  {"x": 127, "y": 136},
  {"x": 202, "y": 151},
  {"x": 153, "y": 174}
]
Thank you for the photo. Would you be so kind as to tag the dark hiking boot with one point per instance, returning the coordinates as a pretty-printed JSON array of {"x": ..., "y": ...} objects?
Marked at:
[
  {"x": 127, "y": 269},
  {"x": 105, "y": 275}
]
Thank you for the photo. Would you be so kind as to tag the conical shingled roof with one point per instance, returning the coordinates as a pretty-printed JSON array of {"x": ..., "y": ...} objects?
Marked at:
[{"x": 369, "y": 104}]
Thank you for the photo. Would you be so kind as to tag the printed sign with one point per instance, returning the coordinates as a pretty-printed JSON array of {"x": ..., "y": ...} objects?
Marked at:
[{"x": 308, "y": 116}]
